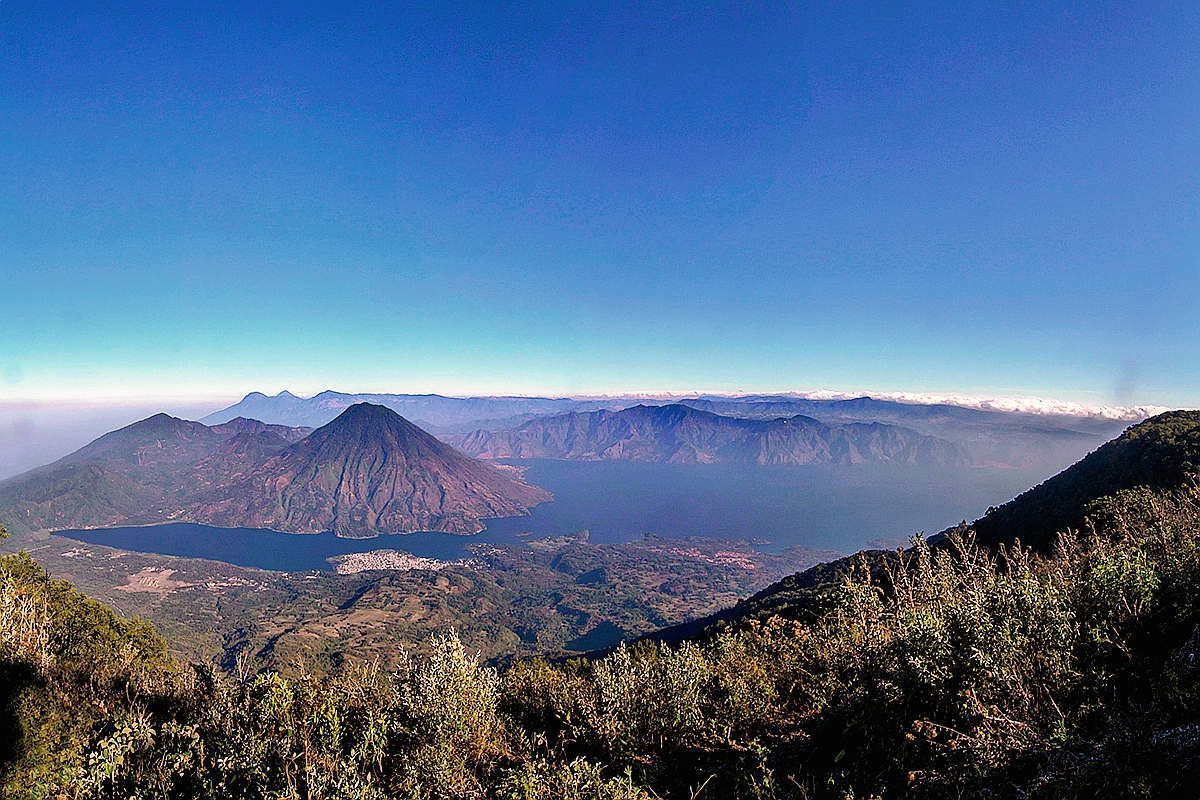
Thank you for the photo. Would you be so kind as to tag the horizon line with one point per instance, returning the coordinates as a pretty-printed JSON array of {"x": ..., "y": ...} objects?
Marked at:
[{"x": 1026, "y": 404}]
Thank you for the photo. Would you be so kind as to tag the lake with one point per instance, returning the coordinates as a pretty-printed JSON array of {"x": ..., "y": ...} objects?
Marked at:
[{"x": 836, "y": 508}]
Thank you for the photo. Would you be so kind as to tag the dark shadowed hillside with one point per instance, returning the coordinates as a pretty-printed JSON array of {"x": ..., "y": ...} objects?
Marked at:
[{"x": 1161, "y": 453}]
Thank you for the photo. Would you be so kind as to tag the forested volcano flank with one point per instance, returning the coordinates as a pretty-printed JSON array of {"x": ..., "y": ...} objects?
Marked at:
[
  {"x": 685, "y": 435},
  {"x": 139, "y": 474},
  {"x": 369, "y": 471},
  {"x": 1161, "y": 453}
]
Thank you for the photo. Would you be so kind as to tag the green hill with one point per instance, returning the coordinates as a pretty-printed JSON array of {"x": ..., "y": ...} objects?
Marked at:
[{"x": 1161, "y": 453}]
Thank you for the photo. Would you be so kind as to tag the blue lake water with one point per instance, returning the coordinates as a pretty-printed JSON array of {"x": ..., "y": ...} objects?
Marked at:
[{"x": 842, "y": 508}]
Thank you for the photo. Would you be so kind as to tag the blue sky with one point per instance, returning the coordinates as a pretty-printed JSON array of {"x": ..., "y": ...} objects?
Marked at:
[{"x": 990, "y": 198}]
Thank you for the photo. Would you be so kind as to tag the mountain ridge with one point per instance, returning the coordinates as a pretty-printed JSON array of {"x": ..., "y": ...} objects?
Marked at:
[
  {"x": 679, "y": 433},
  {"x": 991, "y": 437},
  {"x": 1159, "y": 454},
  {"x": 379, "y": 473}
]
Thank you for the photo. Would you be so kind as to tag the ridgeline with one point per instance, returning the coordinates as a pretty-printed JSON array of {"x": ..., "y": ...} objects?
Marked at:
[
  {"x": 944, "y": 671},
  {"x": 367, "y": 472}
]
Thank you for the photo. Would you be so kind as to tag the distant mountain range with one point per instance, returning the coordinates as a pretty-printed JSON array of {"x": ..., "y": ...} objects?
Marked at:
[
  {"x": 685, "y": 435},
  {"x": 434, "y": 412},
  {"x": 988, "y": 438},
  {"x": 369, "y": 471}
]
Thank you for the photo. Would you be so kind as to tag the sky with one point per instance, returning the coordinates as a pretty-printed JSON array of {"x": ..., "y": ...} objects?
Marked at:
[{"x": 202, "y": 200}]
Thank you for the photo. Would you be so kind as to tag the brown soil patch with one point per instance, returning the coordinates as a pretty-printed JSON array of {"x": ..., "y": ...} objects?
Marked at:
[{"x": 152, "y": 579}]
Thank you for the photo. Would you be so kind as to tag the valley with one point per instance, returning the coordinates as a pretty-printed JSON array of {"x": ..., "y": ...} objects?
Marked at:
[
  {"x": 534, "y": 596},
  {"x": 589, "y": 525}
]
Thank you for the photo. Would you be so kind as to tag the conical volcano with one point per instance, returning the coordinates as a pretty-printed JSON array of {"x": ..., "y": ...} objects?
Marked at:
[{"x": 369, "y": 471}]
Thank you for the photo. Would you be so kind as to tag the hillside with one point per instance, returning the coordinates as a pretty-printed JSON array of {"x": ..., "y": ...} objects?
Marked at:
[
  {"x": 1160, "y": 454},
  {"x": 133, "y": 475},
  {"x": 939, "y": 674},
  {"x": 680, "y": 434},
  {"x": 800, "y": 596},
  {"x": 367, "y": 472},
  {"x": 253, "y": 426}
]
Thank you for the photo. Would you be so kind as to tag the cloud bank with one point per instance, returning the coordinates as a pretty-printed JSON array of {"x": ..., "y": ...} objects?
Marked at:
[
  {"x": 1047, "y": 406},
  {"x": 1044, "y": 406}
]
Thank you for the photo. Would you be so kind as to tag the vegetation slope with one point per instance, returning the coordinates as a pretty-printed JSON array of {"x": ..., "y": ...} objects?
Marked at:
[
  {"x": 954, "y": 671},
  {"x": 1159, "y": 453}
]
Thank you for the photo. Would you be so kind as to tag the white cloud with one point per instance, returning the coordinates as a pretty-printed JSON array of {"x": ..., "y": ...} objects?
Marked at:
[
  {"x": 1025, "y": 405},
  {"x": 1047, "y": 406}
]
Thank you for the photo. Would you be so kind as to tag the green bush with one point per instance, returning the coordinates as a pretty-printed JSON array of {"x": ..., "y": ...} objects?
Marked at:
[{"x": 948, "y": 672}]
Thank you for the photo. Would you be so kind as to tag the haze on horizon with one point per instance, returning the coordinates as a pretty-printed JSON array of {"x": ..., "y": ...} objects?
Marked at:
[
  {"x": 35, "y": 433},
  {"x": 976, "y": 199}
]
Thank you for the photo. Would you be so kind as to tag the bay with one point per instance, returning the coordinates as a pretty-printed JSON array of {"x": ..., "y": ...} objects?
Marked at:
[{"x": 837, "y": 508}]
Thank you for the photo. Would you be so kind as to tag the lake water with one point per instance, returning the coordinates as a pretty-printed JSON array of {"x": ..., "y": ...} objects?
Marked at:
[{"x": 842, "y": 508}]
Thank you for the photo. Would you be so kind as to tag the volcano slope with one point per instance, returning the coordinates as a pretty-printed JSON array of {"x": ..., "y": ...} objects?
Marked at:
[{"x": 369, "y": 471}]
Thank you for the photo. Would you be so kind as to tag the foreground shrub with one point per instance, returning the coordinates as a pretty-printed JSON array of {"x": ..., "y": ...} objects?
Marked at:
[{"x": 948, "y": 671}]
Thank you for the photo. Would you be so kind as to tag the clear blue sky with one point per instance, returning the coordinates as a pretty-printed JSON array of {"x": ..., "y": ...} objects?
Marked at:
[{"x": 997, "y": 198}]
